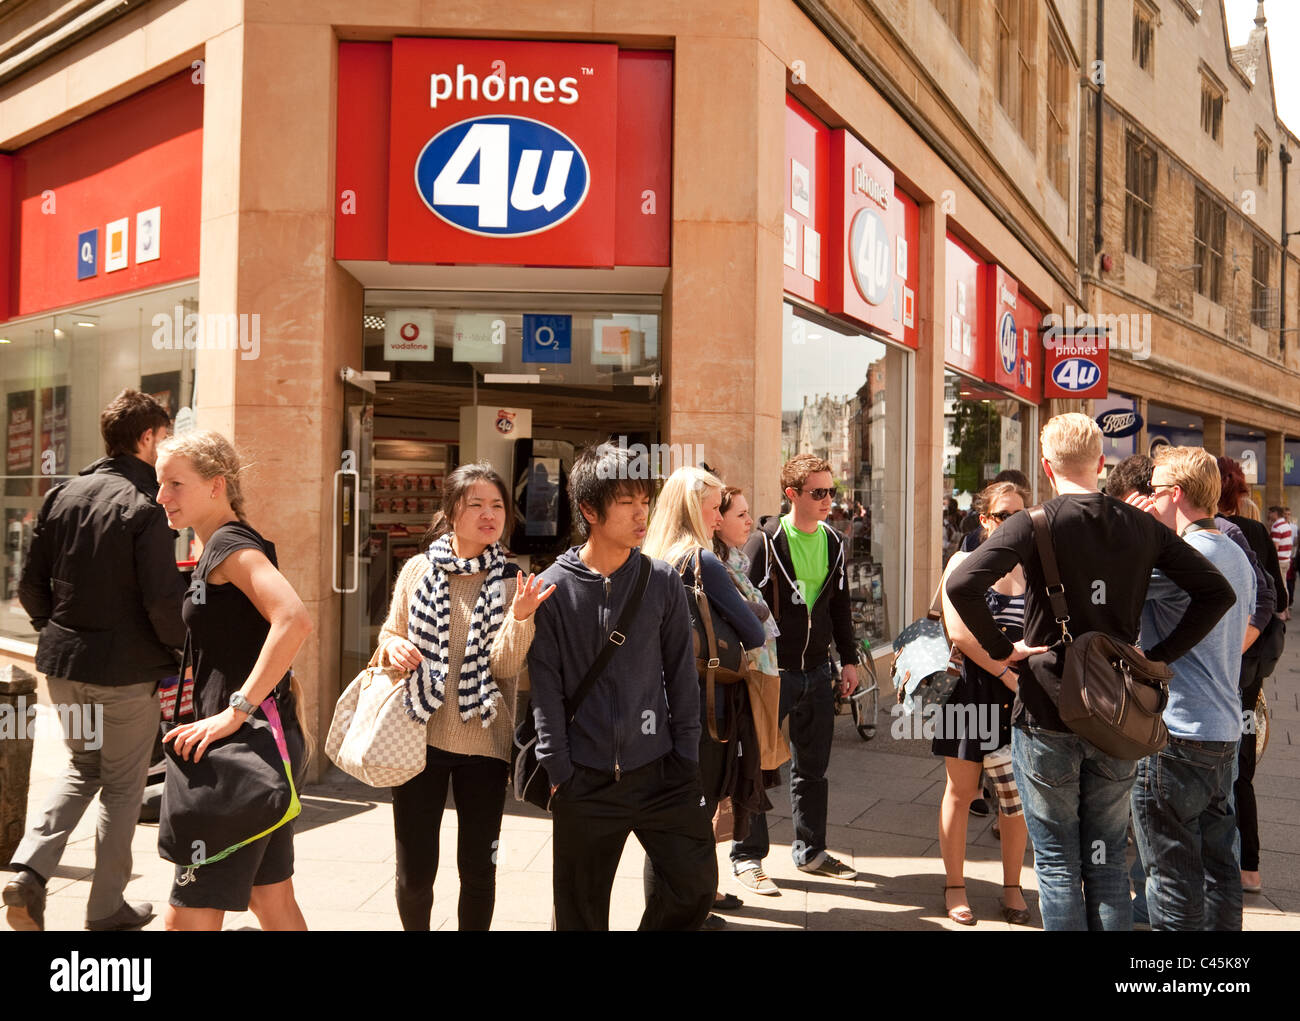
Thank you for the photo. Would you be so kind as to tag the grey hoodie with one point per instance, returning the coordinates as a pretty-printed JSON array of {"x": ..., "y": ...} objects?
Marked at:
[{"x": 646, "y": 702}]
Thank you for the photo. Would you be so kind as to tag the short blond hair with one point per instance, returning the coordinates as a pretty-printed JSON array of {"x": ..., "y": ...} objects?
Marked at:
[
  {"x": 1195, "y": 471},
  {"x": 1071, "y": 442}
]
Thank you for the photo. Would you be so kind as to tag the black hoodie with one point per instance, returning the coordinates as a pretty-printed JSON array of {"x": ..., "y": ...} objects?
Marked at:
[{"x": 805, "y": 640}]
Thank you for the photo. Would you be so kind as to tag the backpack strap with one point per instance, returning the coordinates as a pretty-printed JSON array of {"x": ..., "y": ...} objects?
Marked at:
[{"x": 1051, "y": 573}]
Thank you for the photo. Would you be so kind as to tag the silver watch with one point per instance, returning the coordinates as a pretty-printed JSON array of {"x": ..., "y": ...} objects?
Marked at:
[{"x": 237, "y": 701}]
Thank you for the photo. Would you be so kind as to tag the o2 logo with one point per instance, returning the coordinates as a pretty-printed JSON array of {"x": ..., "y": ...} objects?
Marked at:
[
  {"x": 1075, "y": 374},
  {"x": 1007, "y": 338},
  {"x": 481, "y": 175},
  {"x": 869, "y": 255}
]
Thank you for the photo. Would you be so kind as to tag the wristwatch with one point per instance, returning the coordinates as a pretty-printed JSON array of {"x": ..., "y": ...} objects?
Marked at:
[{"x": 237, "y": 701}]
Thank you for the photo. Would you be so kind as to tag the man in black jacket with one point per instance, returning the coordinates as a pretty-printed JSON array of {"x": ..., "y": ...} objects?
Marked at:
[
  {"x": 799, "y": 565},
  {"x": 102, "y": 589}
]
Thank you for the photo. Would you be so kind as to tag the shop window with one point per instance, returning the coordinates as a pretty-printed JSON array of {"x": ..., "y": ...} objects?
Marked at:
[
  {"x": 1211, "y": 108},
  {"x": 59, "y": 372},
  {"x": 1263, "y": 299},
  {"x": 1058, "y": 114},
  {"x": 1017, "y": 31},
  {"x": 1139, "y": 197},
  {"x": 844, "y": 398},
  {"x": 963, "y": 18},
  {"x": 1210, "y": 226},
  {"x": 1144, "y": 37}
]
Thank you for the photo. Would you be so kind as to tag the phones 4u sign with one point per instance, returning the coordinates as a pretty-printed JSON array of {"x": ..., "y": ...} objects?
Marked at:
[
  {"x": 1075, "y": 361},
  {"x": 502, "y": 152}
]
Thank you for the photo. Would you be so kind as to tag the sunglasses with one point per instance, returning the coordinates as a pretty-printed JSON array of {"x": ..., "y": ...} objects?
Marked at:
[
  {"x": 821, "y": 494},
  {"x": 1001, "y": 516}
]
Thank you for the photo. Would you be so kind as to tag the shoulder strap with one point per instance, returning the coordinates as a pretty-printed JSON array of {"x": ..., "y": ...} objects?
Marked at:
[
  {"x": 616, "y": 638},
  {"x": 1051, "y": 573}
]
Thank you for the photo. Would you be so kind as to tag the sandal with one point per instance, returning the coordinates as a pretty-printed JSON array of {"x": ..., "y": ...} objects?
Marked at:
[
  {"x": 962, "y": 915},
  {"x": 1015, "y": 916}
]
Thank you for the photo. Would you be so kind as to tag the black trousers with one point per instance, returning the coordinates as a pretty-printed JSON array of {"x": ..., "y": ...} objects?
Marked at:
[
  {"x": 663, "y": 804},
  {"x": 478, "y": 784},
  {"x": 1254, "y": 672},
  {"x": 713, "y": 765}
]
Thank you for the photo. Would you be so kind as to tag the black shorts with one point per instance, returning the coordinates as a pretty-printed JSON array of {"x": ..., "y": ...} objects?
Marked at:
[{"x": 227, "y": 884}]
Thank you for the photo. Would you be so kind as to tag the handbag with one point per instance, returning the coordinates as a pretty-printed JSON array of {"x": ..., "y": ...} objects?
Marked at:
[
  {"x": 719, "y": 656},
  {"x": 724, "y": 822},
  {"x": 371, "y": 736},
  {"x": 1111, "y": 694},
  {"x": 926, "y": 667},
  {"x": 530, "y": 781},
  {"x": 240, "y": 791}
]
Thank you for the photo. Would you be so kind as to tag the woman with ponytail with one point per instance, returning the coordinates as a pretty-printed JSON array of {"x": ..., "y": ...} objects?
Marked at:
[
  {"x": 462, "y": 622},
  {"x": 246, "y": 624}
]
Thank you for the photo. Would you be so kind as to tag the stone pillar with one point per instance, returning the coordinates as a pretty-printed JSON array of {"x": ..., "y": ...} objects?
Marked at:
[
  {"x": 927, "y": 478},
  {"x": 723, "y": 302},
  {"x": 1274, "y": 470},
  {"x": 17, "y": 714},
  {"x": 1214, "y": 439},
  {"x": 266, "y": 251}
]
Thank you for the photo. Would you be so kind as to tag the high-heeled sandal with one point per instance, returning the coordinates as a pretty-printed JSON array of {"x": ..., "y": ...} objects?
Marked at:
[
  {"x": 1015, "y": 916},
  {"x": 963, "y": 915}
]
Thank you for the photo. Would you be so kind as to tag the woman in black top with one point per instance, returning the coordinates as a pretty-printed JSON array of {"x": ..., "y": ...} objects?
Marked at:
[{"x": 245, "y": 624}]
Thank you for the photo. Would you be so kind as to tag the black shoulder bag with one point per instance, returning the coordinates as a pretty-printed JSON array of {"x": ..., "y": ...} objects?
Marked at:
[
  {"x": 531, "y": 782},
  {"x": 1111, "y": 694}
]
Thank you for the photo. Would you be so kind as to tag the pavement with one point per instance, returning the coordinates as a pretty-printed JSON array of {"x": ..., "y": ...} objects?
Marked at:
[{"x": 884, "y": 798}]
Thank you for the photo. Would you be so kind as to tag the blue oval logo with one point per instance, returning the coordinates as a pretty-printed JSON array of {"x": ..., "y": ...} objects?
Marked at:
[
  {"x": 1119, "y": 423},
  {"x": 1075, "y": 374},
  {"x": 1007, "y": 342},
  {"x": 502, "y": 176},
  {"x": 869, "y": 247}
]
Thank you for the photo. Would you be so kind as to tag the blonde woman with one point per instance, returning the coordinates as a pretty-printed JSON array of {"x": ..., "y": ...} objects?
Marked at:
[
  {"x": 686, "y": 516},
  {"x": 245, "y": 624}
]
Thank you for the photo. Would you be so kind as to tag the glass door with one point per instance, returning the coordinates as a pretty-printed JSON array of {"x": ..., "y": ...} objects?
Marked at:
[{"x": 354, "y": 561}]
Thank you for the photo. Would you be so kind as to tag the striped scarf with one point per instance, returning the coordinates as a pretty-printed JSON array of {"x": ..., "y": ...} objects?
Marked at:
[{"x": 429, "y": 624}]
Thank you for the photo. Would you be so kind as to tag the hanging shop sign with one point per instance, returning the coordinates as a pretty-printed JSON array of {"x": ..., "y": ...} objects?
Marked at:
[
  {"x": 871, "y": 248},
  {"x": 1119, "y": 423},
  {"x": 502, "y": 152},
  {"x": 1011, "y": 358},
  {"x": 1075, "y": 362}
]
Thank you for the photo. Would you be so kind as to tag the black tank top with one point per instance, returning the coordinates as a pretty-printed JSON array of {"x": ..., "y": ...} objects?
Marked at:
[{"x": 226, "y": 631}]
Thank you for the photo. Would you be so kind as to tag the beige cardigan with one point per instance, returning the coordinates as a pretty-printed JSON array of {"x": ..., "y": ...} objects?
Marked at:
[{"x": 447, "y": 730}]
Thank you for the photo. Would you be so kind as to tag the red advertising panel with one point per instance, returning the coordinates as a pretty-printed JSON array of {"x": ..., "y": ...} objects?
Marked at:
[
  {"x": 361, "y": 151},
  {"x": 1075, "y": 362},
  {"x": 869, "y": 249},
  {"x": 1030, "y": 360},
  {"x": 643, "y": 186},
  {"x": 502, "y": 152},
  {"x": 911, "y": 258},
  {"x": 807, "y": 204},
  {"x": 109, "y": 204},
  {"x": 963, "y": 327}
]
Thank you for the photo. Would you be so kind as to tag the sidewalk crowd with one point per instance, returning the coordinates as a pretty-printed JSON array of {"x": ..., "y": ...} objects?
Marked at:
[{"x": 675, "y": 667}]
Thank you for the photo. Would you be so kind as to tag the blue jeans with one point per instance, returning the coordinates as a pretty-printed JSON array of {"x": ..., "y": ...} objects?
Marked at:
[
  {"x": 808, "y": 702},
  {"x": 1076, "y": 800},
  {"x": 1185, "y": 826}
]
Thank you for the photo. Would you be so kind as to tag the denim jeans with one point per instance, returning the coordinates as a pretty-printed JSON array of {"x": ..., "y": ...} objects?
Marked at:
[
  {"x": 1185, "y": 826},
  {"x": 1076, "y": 801},
  {"x": 808, "y": 702}
]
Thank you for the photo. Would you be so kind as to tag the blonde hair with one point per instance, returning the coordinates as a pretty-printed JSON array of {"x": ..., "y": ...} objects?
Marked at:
[
  {"x": 1250, "y": 509},
  {"x": 1195, "y": 471},
  {"x": 1071, "y": 442},
  {"x": 677, "y": 525},
  {"x": 211, "y": 455}
]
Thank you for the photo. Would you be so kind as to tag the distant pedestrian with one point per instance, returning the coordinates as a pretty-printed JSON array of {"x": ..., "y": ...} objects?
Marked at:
[
  {"x": 1076, "y": 797},
  {"x": 627, "y": 763},
  {"x": 246, "y": 625},
  {"x": 101, "y": 586}
]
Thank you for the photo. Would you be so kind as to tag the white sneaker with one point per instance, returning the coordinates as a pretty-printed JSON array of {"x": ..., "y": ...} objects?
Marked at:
[{"x": 753, "y": 878}]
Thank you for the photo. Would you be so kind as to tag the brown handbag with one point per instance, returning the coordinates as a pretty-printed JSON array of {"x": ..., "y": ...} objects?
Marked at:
[
  {"x": 710, "y": 649},
  {"x": 1111, "y": 694}
]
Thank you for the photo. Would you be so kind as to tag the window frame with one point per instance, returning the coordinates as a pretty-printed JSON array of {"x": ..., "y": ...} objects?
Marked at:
[
  {"x": 1210, "y": 214},
  {"x": 1058, "y": 113},
  {"x": 1141, "y": 163},
  {"x": 1015, "y": 73},
  {"x": 1144, "y": 32},
  {"x": 1260, "y": 285},
  {"x": 1213, "y": 99},
  {"x": 962, "y": 19}
]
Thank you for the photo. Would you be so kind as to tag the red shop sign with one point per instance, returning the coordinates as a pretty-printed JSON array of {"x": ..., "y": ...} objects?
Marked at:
[
  {"x": 870, "y": 247},
  {"x": 502, "y": 152},
  {"x": 807, "y": 218},
  {"x": 1075, "y": 361},
  {"x": 963, "y": 326},
  {"x": 1011, "y": 358}
]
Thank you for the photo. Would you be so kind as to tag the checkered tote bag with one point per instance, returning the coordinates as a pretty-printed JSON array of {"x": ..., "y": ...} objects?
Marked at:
[{"x": 371, "y": 736}]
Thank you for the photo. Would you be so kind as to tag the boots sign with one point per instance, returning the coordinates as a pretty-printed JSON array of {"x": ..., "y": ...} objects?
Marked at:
[{"x": 502, "y": 152}]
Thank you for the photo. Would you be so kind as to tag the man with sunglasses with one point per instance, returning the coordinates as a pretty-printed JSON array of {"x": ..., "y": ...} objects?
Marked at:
[{"x": 799, "y": 564}]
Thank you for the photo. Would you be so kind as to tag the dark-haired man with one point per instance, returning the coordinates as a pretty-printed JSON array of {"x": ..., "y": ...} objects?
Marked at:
[
  {"x": 628, "y": 762},
  {"x": 799, "y": 564},
  {"x": 102, "y": 589}
]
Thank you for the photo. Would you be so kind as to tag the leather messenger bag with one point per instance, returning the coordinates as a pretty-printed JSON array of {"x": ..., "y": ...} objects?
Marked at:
[{"x": 1111, "y": 694}]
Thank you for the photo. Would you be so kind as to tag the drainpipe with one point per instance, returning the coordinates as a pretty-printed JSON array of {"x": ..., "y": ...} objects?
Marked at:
[
  {"x": 1096, "y": 142},
  {"x": 1283, "y": 157}
]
